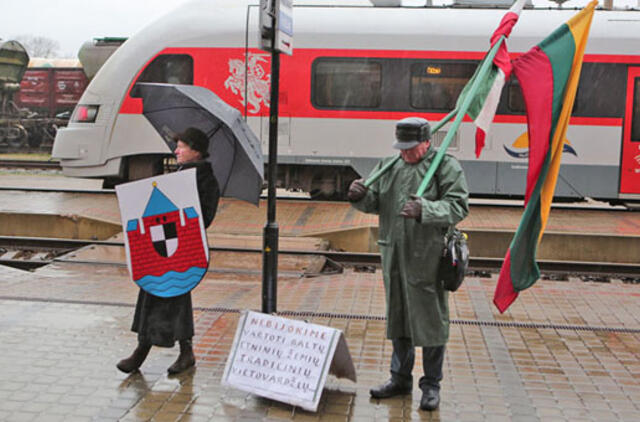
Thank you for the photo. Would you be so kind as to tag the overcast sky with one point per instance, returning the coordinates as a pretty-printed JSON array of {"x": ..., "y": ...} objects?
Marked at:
[{"x": 72, "y": 22}]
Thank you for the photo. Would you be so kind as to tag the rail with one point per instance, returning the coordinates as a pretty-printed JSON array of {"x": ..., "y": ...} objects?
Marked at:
[
  {"x": 30, "y": 164},
  {"x": 34, "y": 252}
]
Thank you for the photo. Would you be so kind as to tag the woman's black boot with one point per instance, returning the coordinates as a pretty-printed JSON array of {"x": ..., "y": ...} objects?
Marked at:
[
  {"x": 185, "y": 360},
  {"x": 136, "y": 359}
]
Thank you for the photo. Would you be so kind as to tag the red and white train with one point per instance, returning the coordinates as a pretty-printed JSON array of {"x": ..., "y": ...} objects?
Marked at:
[{"x": 354, "y": 72}]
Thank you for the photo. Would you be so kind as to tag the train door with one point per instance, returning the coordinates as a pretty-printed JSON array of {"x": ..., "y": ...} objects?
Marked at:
[{"x": 630, "y": 162}]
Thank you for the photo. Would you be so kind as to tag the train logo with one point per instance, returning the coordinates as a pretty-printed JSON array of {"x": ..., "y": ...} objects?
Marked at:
[
  {"x": 520, "y": 147},
  {"x": 166, "y": 245},
  {"x": 257, "y": 83}
]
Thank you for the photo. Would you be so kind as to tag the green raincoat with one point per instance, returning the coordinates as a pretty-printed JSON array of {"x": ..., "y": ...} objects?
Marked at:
[{"x": 417, "y": 305}]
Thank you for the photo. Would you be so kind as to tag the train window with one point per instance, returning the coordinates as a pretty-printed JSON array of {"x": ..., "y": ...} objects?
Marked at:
[
  {"x": 600, "y": 89},
  {"x": 436, "y": 85},
  {"x": 515, "y": 100},
  {"x": 169, "y": 68},
  {"x": 635, "y": 113},
  {"x": 346, "y": 83}
]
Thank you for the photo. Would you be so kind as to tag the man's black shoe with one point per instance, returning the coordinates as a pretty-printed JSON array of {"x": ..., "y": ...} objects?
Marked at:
[
  {"x": 389, "y": 389},
  {"x": 430, "y": 399}
]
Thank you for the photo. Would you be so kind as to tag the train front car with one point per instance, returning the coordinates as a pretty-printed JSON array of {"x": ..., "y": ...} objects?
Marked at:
[{"x": 107, "y": 136}]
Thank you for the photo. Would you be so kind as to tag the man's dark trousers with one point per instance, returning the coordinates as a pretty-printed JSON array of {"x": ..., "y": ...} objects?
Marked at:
[{"x": 402, "y": 360}]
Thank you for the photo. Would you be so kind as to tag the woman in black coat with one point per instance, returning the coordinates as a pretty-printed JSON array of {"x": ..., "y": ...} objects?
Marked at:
[{"x": 163, "y": 321}]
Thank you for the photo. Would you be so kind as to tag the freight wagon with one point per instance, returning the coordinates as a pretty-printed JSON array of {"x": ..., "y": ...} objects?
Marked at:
[{"x": 39, "y": 94}]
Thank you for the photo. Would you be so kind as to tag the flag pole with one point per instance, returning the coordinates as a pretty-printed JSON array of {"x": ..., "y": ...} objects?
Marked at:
[
  {"x": 390, "y": 164},
  {"x": 462, "y": 111}
]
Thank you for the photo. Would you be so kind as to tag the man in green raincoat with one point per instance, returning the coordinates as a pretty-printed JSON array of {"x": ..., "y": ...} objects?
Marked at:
[{"x": 411, "y": 242}]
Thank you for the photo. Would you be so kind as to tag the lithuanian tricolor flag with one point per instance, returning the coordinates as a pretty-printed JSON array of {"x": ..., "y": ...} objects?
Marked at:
[{"x": 548, "y": 75}]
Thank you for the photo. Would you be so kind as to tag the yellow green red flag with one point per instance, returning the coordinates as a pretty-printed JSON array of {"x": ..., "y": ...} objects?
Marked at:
[{"x": 548, "y": 75}]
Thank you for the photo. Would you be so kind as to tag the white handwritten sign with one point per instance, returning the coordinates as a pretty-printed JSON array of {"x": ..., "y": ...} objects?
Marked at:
[{"x": 285, "y": 360}]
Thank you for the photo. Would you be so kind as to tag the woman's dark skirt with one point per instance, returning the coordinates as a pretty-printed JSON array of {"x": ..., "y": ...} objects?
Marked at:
[{"x": 163, "y": 321}]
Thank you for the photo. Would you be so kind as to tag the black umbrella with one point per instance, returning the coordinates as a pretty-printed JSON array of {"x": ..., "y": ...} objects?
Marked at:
[{"x": 235, "y": 152}]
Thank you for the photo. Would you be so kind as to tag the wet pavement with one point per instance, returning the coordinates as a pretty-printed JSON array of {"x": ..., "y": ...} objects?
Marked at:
[{"x": 565, "y": 351}]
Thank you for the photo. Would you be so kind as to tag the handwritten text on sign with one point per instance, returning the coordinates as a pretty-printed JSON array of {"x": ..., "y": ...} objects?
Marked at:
[{"x": 279, "y": 358}]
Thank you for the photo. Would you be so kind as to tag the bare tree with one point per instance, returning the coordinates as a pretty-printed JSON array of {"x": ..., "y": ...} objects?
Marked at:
[{"x": 38, "y": 46}]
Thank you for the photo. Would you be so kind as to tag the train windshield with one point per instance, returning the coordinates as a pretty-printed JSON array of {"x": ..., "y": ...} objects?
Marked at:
[{"x": 169, "y": 68}]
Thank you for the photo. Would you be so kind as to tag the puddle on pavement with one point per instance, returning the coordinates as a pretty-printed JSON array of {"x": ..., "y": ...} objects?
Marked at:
[{"x": 73, "y": 318}]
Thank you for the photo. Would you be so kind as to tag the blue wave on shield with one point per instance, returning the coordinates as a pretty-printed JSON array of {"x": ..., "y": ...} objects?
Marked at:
[{"x": 171, "y": 283}]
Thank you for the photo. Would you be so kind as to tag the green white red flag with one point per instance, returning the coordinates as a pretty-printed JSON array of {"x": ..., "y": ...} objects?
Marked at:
[
  {"x": 485, "y": 102},
  {"x": 548, "y": 75}
]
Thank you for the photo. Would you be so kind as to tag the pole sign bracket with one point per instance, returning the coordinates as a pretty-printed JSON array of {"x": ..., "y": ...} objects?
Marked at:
[{"x": 280, "y": 11}]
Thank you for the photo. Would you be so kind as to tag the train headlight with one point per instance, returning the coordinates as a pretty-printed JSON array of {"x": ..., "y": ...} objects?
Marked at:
[{"x": 85, "y": 113}]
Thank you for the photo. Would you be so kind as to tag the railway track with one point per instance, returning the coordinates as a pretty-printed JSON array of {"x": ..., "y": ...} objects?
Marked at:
[
  {"x": 476, "y": 201},
  {"x": 29, "y": 253},
  {"x": 30, "y": 164}
]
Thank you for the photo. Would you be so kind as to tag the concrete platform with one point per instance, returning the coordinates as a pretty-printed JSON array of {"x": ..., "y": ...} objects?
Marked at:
[
  {"x": 565, "y": 351},
  {"x": 296, "y": 217},
  {"x": 304, "y": 218},
  {"x": 589, "y": 235}
]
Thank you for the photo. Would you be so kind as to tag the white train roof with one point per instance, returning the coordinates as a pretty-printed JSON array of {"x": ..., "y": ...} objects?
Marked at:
[
  {"x": 612, "y": 32},
  {"x": 221, "y": 23}
]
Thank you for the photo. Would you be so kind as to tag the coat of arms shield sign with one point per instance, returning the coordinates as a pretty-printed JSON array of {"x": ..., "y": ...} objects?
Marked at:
[{"x": 165, "y": 239}]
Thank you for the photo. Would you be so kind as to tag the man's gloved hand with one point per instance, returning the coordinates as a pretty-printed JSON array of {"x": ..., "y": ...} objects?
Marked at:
[
  {"x": 412, "y": 208},
  {"x": 357, "y": 190}
]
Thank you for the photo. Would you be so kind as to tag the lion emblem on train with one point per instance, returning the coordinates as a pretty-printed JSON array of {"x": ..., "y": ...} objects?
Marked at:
[{"x": 166, "y": 244}]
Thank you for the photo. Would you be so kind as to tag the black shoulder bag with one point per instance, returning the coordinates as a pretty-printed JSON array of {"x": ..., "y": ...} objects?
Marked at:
[{"x": 454, "y": 260}]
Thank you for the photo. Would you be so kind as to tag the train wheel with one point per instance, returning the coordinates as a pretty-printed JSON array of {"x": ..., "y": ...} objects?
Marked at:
[
  {"x": 16, "y": 136},
  {"x": 35, "y": 137},
  {"x": 332, "y": 186}
]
